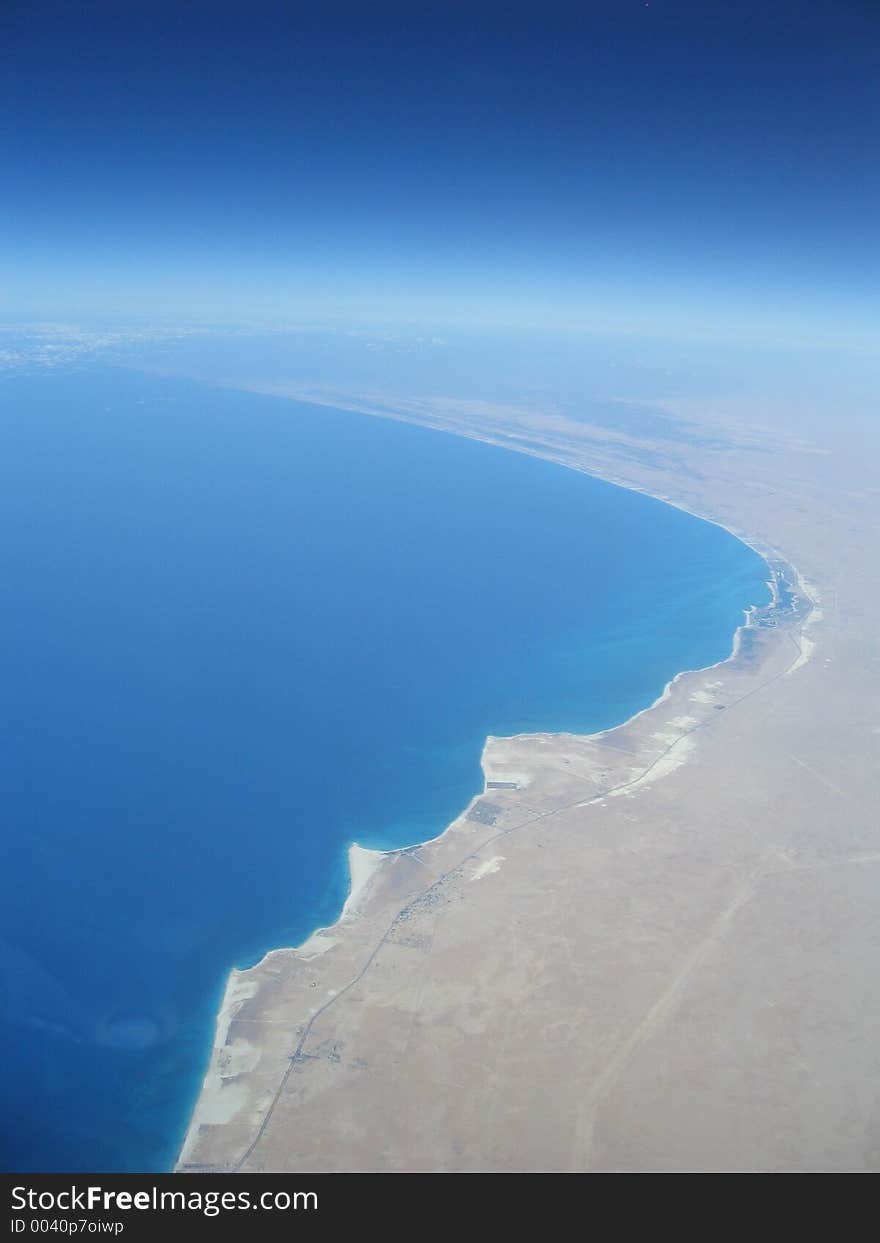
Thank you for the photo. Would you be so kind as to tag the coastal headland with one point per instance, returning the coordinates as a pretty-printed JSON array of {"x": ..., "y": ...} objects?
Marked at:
[{"x": 653, "y": 948}]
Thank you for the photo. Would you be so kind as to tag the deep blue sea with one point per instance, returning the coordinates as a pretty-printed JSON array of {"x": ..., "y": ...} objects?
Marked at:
[{"x": 238, "y": 633}]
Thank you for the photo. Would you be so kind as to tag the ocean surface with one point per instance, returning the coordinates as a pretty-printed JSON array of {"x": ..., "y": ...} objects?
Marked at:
[{"x": 237, "y": 634}]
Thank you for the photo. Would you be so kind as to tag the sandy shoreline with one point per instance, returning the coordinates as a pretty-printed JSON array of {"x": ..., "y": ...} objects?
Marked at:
[
  {"x": 222, "y": 1096},
  {"x": 697, "y": 930},
  {"x": 365, "y": 865}
]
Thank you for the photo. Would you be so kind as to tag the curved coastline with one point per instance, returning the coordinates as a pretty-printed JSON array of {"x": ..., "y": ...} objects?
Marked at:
[
  {"x": 366, "y": 865},
  {"x": 365, "y": 862}
]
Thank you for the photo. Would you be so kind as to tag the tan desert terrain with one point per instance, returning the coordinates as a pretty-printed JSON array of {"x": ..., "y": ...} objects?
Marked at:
[{"x": 657, "y": 948}]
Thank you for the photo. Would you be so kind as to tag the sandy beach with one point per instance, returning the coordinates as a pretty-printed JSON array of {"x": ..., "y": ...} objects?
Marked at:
[{"x": 668, "y": 960}]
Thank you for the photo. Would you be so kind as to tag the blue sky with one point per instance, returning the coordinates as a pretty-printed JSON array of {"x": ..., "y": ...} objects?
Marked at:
[{"x": 674, "y": 168}]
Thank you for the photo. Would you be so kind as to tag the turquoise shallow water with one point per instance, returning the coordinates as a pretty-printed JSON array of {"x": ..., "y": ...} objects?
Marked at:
[{"x": 238, "y": 634}]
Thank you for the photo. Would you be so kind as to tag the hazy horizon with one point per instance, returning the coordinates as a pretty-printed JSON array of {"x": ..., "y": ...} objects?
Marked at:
[{"x": 668, "y": 169}]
